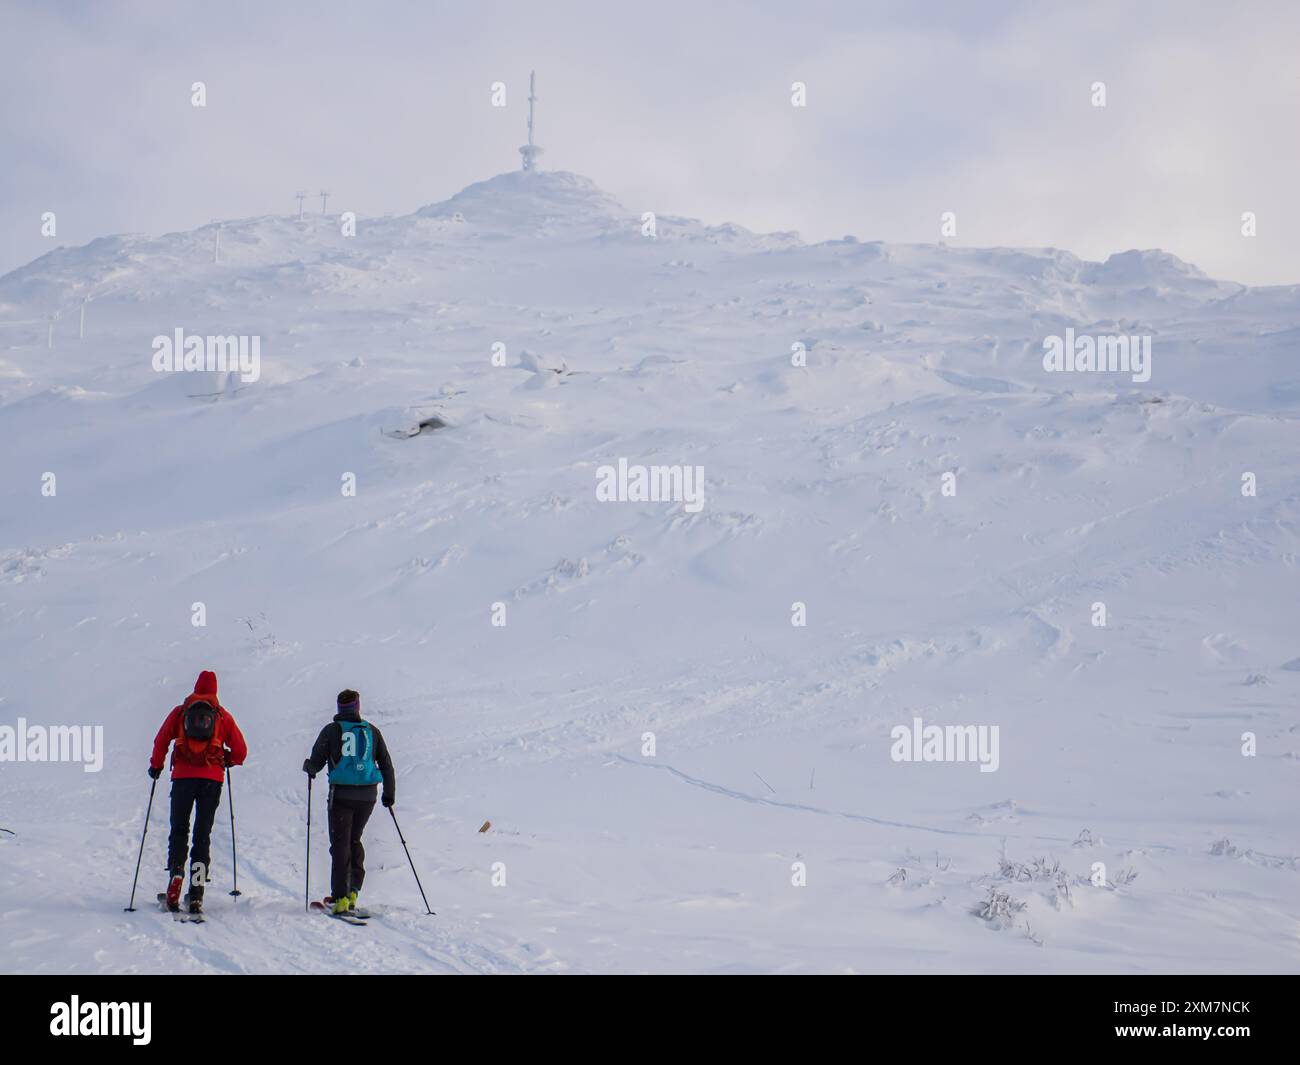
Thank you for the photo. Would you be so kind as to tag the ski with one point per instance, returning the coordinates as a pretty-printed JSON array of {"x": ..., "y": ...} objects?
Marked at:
[
  {"x": 346, "y": 918},
  {"x": 181, "y": 916},
  {"x": 327, "y": 902}
]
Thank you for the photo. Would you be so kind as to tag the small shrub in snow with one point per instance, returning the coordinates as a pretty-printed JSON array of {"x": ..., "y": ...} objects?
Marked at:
[
  {"x": 1000, "y": 908},
  {"x": 1061, "y": 885},
  {"x": 1225, "y": 848},
  {"x": 1038, "y": 869}
]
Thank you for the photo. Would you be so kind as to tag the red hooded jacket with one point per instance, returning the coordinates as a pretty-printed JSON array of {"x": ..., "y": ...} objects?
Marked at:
[{"x": 199, "y": 758}]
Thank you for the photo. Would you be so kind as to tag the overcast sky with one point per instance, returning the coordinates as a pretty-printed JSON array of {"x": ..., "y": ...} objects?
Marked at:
[{"x": 983, "y": 109}]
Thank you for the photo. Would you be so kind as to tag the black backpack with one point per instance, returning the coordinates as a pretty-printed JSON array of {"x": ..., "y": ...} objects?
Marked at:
[{"x": 200, "y": 721}]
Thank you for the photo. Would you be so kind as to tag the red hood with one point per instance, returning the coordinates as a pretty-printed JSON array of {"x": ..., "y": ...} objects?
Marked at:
[{"x": 206, "y": 685}]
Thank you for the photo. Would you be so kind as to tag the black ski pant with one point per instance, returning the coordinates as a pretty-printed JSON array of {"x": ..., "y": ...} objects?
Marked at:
[
  {"x": 202, "y": 797},
  {"x": 348, "y": 819}
]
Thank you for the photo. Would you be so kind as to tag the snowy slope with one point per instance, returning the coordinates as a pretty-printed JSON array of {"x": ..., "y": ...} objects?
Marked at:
[{"x": 1119, "y": 744}]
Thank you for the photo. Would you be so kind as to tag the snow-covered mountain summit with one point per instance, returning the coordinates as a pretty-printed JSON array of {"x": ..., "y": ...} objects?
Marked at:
[
  {"x": 553, "y": 242},
  {"x": 524, "y": 200}
]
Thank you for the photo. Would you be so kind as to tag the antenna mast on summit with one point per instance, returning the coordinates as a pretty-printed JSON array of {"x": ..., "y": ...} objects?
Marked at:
[{"x": 531, "y": 151}]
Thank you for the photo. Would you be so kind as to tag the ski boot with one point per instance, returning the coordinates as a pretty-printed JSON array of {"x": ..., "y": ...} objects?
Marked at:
[{"x": 173, "y": 896}]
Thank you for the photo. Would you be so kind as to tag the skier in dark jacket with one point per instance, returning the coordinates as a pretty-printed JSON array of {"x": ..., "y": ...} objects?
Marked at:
[
  {"x": 358, "y": 762},
  {"x": 207, "y": 741}
]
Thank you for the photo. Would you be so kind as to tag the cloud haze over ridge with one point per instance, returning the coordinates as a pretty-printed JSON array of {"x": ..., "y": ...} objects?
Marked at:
[{"x": 913, "y": 110}]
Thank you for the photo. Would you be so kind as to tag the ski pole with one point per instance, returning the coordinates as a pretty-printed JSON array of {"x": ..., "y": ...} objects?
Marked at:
[
  {"x": 147, "y": 810},
  {"x": 306, "y": 887},
  {"x": 234, "y": 865},
  {"x": 408, "y": 858}
]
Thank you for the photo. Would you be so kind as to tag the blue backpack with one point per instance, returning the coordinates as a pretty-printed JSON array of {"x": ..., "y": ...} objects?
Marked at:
[{"x": 356, "y": 765}]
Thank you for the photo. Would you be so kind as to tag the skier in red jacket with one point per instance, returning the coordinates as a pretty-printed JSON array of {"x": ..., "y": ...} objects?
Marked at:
[{"x": 207, "y": 741}]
